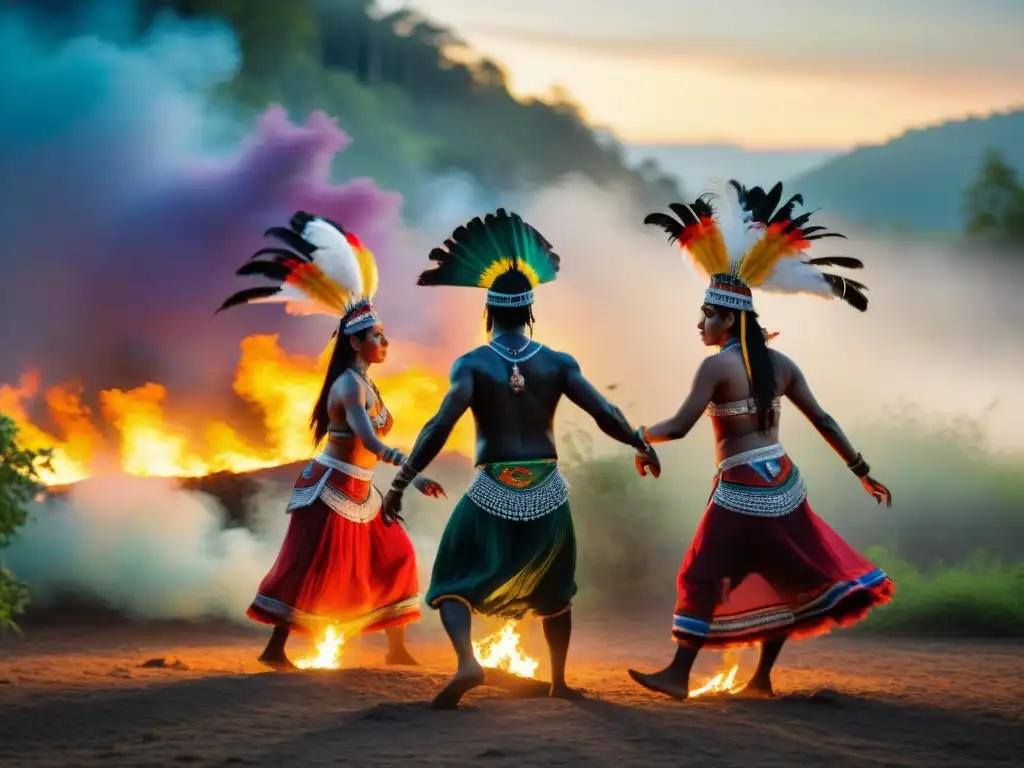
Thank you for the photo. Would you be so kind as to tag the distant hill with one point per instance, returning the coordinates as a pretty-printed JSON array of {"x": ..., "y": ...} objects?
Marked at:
[
  {"x": 694, "y": 164},
  {"x": 917, "y": 180}
]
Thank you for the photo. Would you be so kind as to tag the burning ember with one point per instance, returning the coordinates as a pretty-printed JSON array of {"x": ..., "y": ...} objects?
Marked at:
[
  {"x": 723, "y": 682},
  {"x": 501, "y": 651},
  {"x": 281, "y": 387},
  {"x": 328, "y": 652}
]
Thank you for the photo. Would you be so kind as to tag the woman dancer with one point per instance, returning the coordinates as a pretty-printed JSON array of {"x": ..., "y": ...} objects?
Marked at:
[
  {"x": 342, "y": 562},
  {"x": 762, "y": 566}
]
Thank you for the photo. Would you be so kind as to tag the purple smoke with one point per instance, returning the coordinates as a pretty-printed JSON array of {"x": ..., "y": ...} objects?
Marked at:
[{"x": 122, "y": 229}]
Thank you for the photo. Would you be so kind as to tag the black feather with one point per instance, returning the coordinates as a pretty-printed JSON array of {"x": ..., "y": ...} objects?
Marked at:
[
  {"x": 847, "y": 262},
  {"x": 269, "y": 269},
  {"x": 666, "y": 222},
  {"x": 849, "y": 291},
  {"x": 281, "y": 255},
  {"x": 291, "y": 239},
  {"x": 247, "y": 295}
]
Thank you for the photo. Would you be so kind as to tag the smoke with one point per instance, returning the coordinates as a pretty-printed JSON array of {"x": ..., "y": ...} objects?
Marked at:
[
  {"x": 127, "y": 226},
  {"x": 127, "y": 211}
]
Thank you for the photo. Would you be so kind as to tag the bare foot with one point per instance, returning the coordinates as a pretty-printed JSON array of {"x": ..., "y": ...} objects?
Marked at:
[
  {"x": 755, "y": 689},
  {"x": 466, "y": 679},
  {"x": 662, "y": 682},
  {"x": 278, "y": 662},
  {"x": 563, "y": 691},
  {"x": 400, "y": 658}
]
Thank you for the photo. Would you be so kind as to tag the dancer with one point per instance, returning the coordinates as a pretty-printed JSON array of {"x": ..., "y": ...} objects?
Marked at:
[
  {"x": 509, "y": 547},
  {"x": 342, "y": 562},
  {"x": 762, "y": 566}
]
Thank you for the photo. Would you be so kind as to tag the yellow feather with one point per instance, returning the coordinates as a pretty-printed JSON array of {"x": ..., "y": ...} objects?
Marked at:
[
  {"x": 762, "y": 259},
  {"x": 502, "y": 266},
  {"x": 368, "y": 268},
  {"x": 318, "y": 287}
]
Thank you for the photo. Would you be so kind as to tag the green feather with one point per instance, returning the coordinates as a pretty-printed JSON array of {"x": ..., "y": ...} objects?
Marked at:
[{"x": 476, "y": 247}]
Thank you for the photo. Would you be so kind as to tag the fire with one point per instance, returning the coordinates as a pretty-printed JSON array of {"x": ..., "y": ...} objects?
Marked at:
[
  {"x": 328, "y": 652},
  {"x": 147, "y": 442},
  {"x": 501, "y": 651},
  {"x": 723, "y": 682}
]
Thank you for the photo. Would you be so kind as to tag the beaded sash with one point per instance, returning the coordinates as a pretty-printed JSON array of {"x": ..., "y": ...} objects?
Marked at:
[{"x": 514, "y": 492}]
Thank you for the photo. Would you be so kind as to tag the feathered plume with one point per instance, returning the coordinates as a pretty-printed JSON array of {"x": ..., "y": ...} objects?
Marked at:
[
  {"x": 772, "y": 263},
  {"x": 696, "y": 232},
  {"x": 324, "y": 270},
  {"x": 478, "y": 252}
]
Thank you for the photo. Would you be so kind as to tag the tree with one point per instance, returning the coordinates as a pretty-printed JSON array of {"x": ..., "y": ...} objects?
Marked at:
[
  {"x": 994, "y": 202},
  {"x": 19, "y": 486}
]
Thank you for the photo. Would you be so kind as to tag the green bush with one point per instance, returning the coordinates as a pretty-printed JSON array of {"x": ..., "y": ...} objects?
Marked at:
[{"x": 19, "y": 486}]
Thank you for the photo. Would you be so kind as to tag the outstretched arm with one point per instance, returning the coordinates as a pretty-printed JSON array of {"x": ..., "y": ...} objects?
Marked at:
[
  {"x": 608, "y": 417},
  {"x": 435, "y": 432},
  {"x": 800, "y": 393},
  {"x": 677, "y": 426}
]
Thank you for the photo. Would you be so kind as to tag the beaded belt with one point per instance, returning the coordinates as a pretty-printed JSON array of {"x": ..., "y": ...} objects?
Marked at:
[
  {"x": 356, "y": 511},
  {"x": 523, "y": 504},
  {"x": 756, "y": 500}
]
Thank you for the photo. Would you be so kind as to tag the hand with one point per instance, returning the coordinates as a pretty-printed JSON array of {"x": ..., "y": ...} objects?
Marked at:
[
  {"x": 429, "y": 487},
  {"x": 392, "y": 507},
  {"x": 647, "y": 459},
  {"x": 876, "y": 489}
]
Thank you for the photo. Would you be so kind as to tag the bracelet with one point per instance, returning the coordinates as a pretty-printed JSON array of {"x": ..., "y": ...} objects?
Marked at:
[
  {"x": 405, "y": 476},
  {"x": 859, "y": 467},
  {"x": 392, "y": 456}
]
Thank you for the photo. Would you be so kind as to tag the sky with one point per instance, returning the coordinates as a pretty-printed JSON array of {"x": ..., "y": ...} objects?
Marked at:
[{"x": 823, "y": 74}]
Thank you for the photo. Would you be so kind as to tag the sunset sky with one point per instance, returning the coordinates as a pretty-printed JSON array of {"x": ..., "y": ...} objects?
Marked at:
[{"x": 787, "y": 73}]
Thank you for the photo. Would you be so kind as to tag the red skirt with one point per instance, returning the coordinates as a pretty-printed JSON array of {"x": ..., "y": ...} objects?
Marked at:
[
  {"x": 762, "y": 565},
  {"x": 339, "y": 563}
]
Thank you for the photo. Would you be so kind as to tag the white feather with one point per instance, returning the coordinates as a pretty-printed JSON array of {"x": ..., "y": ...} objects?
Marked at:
[
  {"x": 732, "y": 222},
  {"x": 792, "y": 275},
  {"x": 296, "y": 302},
  {"x": 334, "y": 256}
]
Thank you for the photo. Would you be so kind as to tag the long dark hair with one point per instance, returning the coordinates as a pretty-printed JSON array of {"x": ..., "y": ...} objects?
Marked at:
[
  {"x": 763, "y": 376},
  {"x": 343, "y": 357},
  {"x": 510, "y": 317}
]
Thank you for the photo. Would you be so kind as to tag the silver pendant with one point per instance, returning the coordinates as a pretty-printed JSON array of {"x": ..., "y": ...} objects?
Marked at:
[{"x": 516, "y": 381}]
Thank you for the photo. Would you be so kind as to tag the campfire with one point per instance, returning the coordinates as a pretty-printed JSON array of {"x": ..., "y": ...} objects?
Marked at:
[
  {"x": 328, "y": 652},
  {"x": 501, "y": 651},
  {"x": 134, "y": 434}
]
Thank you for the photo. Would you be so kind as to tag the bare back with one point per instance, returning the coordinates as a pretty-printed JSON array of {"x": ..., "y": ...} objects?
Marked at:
[
  {"x": 735, "y": 425},
  {"x": 511, "y": 425},
  {"x": 514, "y": 426}
]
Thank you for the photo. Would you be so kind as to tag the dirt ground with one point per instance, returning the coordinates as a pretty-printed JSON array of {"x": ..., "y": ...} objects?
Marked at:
[{"x": 79, "y": 696}]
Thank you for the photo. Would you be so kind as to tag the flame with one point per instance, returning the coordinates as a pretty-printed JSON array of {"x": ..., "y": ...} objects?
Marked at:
[
  {"x": 281, "y": 387},
  {"x": 328, "y": 652},
  {"x": 501, "y": 651},
  {"x": 723, "y": 682}
]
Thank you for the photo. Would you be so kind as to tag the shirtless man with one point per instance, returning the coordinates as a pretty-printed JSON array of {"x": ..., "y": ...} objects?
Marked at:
[{"x": 509, "y": 547}]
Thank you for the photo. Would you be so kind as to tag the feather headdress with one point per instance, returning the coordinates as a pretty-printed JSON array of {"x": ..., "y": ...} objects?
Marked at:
[
  {"x": 323, "y": 270},
  {"x": 479, "y": 252},
  {"x": 741, "y": 239}
]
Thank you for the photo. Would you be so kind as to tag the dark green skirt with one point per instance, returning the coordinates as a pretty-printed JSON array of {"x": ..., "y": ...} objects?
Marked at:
[{"x": 507, "y": 568}]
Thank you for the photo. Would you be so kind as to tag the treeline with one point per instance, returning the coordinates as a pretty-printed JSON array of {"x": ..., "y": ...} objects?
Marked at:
[
  {"x": 415, "y": 99},
  {"x": 994, "y": 203}
]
